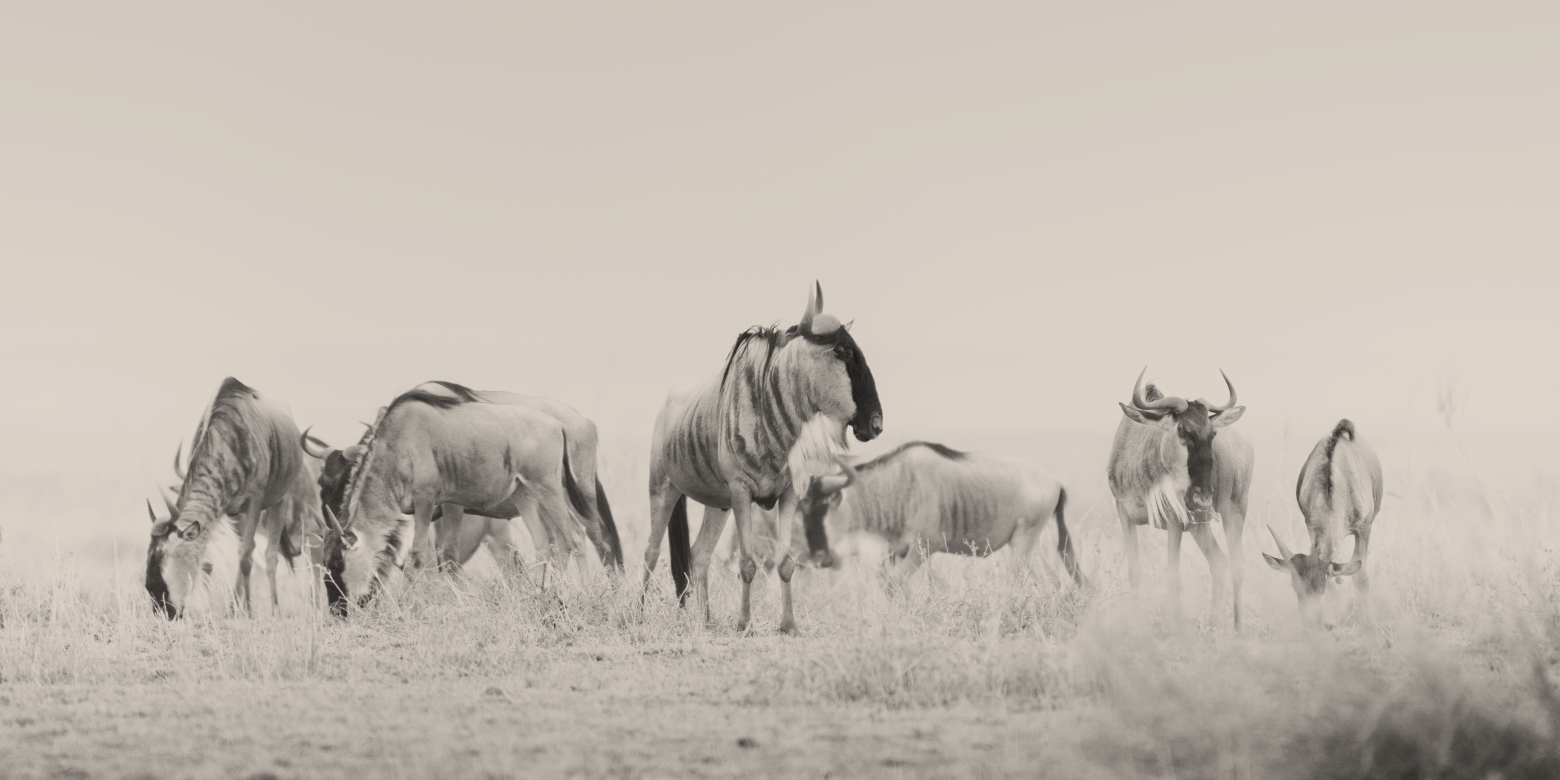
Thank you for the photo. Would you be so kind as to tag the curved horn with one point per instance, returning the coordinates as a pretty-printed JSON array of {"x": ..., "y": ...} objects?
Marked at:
[
  {"x": 332, "y": 523},
  {"x": 173, "y": 509},
  {"x": 1231, "y": 386},
  {"x": 1168, "y": 402},
  {"x": 177, "y": 454},
  {"x": 814, "y": 306},
  {"x": 304, "y": 440},
  {"x": 834, "y": 483},
  {"x": 150, "y": 511},
  {"x": 1282, "y": 550}
]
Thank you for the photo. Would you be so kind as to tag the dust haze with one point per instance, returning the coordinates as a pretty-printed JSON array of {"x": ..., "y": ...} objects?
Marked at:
[{"x": 1347, "y": 209}]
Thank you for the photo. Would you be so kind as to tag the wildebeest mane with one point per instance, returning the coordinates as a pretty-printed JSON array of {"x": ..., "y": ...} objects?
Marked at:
[
  {"x": 462, "y": 391},
  {"x": 773, "y": 338},
  {"x": 945, "y": 451}
]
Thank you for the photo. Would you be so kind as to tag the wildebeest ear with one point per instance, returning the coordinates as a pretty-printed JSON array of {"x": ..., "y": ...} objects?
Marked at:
[
  {"x": 1280, "y": 565},
  {"x": 1346, "y": 569},
  {"x": 1228, "y": 417},
  {"x": 1137, "y": 415}
]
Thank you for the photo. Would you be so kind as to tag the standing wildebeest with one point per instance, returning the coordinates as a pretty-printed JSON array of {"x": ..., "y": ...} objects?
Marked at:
[
  {"x": 428, "y": 449},
  {"x": 244, "y": 461},
  {"x": 1168, "y": 466},
  {"x": 1339, "y": 492},
  {"x": 924, "y": 498},
  {"x": 459, "y": 536},
  {"x": 725, "y": 444}
]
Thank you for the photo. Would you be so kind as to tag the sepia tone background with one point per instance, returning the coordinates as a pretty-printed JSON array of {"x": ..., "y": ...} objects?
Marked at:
[{"x": 1350, "y": 210}]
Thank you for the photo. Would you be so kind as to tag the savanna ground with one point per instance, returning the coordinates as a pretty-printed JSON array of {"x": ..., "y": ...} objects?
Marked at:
[{"x": 977, "y": 674}]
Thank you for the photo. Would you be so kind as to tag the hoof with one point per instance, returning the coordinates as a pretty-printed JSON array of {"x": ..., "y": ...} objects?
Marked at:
[{"x": 789, "y": 629}]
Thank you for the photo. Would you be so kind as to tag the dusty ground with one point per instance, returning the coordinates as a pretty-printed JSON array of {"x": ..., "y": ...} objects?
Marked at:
[{"x": 983, "y": 675}]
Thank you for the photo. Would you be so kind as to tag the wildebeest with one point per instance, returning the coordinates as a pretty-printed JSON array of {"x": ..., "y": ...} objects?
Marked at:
[
  {"x": 1171, "y": 465},
  {"x": 428, "y": 449},
  {"x": 459, "y": 535},
  {"x": 725, "y": 443},
  {"x": 457, "y": 540},
  {"x": 1339, "y": 492},
  {"x": 923, "y": 498},
  {"x": 285, "y": 526},
  {"x": 244, "y": 461}
]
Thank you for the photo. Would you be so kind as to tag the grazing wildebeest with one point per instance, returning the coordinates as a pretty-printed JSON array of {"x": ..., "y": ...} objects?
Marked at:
[
  {"x": 428, "y": 449},
  {"x": 725, "y": 443},
  {"x": 245, "y": 460},
  {"x": 290, "y": 522},
  {"x": 1170, "y": 465},
  {"x": 923, "y": 498},
  {"x": 459, "y": 535},
  {"x": 1339, "y": 492},
  {"x": 456, "y": 543}
]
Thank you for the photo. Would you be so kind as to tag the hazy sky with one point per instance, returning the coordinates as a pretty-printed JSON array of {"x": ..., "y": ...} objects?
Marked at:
[{"x": 1019, "y": 207}]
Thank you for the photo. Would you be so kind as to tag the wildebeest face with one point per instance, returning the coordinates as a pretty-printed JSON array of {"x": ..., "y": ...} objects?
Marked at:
[
  {"x": 841, "y": 379},
  {"x": 823, "y": 494},
  {"x": 1195, "y": 424},
  {"x": 179, "y": 570},
  {"x": 1310, "y": 577}
]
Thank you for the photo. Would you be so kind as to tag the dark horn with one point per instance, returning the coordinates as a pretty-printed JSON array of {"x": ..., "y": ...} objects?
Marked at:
[
  {"x": 332, "y": 522},
  {"x": 173, "y": 509},
  {"x": 1282, "y": 550},
  {"x": 151, "y": 512},
  {"x": 1231, "y": 386},
  {"x": 1168, "y": 402}
]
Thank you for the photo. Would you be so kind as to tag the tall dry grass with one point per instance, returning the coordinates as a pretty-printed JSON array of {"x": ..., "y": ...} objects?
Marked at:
[{"x": 1454, "y": 677}]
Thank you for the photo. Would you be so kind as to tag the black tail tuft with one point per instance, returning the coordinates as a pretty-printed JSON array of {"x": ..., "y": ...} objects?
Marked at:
[
  {"x": 570, "y": 486},
  {"x": 682, "y": 553},
  {"x": 1064, "y": 545},
  {"x": 608, "y": 525},
  {"x": 1344, "y": 428}
]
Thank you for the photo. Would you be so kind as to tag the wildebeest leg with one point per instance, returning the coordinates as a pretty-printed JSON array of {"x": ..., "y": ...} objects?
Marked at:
[
  {"x": 448, "y": 532},
  {"x": 422, "y": 534},
  {"x": 553, "y": 509},
  {"x": 905, "y": 566},
  {"x": 1361, "y": 578},
  {"x": 1023, "y": 543},
  {"x": 275, "y": 527},
  {"x": 248, "y": 523},
  {"x": 742, "y": 512},
  {"x": 500, "y": 543},
  {"x": 1218, "y": 567},
  {"x": 1234, "y": 532},
  {"x": 785, "y": 520},
  {"x": 663, "y": 498},
  {"x": 1129, "y": 540},
  {"x": 1173, "y": 573},
  {"x": 709, "y": 536}
]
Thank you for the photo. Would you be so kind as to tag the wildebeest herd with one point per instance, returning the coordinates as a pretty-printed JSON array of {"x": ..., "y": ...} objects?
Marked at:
[{"x": 444, "y": 469}]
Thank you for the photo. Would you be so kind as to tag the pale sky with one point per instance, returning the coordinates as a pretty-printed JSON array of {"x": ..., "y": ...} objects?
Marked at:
[{"x": 1339, "y": 204}]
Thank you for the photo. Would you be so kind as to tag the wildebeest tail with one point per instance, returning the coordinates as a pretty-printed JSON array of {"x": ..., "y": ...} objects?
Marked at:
[
  {"x": 1343, "y": 428},
  {"x": 677, "y": 540},
  {"x": 1064, "y": 545},
  {"x": 608, "y": 525},
  {"x": 572, "y": 487}
]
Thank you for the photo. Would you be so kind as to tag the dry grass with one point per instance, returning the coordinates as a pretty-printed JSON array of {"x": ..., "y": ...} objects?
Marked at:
[{"x": 982, "y": 676}]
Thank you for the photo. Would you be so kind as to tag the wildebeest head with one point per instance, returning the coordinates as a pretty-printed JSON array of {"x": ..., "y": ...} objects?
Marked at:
[
  {"x": 821, "y": 497},
  {"x": 180, "y": 557},
  {"x": 838, "y": 370},
  {"x": 1195, "y": 423},
  {"x": 1309, "y": 575},
  {"x": 335, "y": 468}
]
